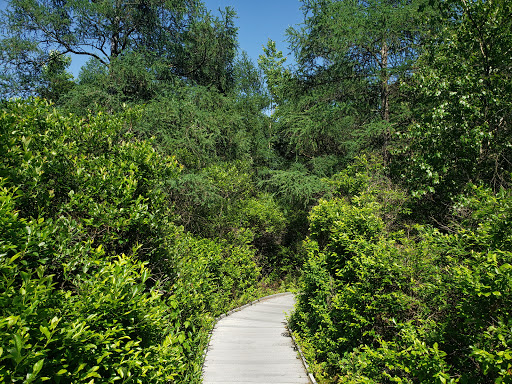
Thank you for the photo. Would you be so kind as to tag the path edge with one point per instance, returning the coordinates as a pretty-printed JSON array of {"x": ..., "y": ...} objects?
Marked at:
[{"x": 302, "y": 357}]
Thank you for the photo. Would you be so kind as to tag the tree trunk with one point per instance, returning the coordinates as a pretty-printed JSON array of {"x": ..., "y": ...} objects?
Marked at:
[
  {"x": 116, "y": 30},
  {"x": 384, "y": 96},
  {"x": 384, "y": 93}
]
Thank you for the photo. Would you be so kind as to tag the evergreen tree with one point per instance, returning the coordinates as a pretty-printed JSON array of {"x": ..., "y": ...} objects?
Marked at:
[{"x": 351, "y": 57}]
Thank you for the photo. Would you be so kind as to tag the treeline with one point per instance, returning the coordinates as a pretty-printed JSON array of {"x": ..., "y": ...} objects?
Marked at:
[{"x": 175, "y": 178}]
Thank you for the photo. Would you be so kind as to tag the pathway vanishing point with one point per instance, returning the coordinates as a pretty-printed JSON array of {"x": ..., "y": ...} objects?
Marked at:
[{"x": 253, "y": 346}]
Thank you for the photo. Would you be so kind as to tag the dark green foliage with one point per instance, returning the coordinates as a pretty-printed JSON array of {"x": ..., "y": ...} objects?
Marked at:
[
  {"x": 250, "y": 99},
  {"x": 130, "y": 79},
  {"x": 295, "y": 186},
  {"x": 297, "y": 190},
  {"x": 209, "y": 202},
  {"x": 210, "y": 50},
  {"x": 462, "y": 107},
  {"x": 221, "y": 201},
  {"x": 198, "y": 125},
  {"x": 344, "y": 96}
]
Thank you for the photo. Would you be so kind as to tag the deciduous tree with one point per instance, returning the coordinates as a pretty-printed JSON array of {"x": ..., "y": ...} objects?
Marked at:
[{"x": 181, "y": 34}]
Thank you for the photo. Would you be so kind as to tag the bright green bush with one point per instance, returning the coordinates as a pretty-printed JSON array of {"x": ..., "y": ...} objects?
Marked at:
[
  {"x": 214, "y": 273},
  {"x": 97, "y": 284},
  {"x": 267, "y": 221},
  {"x": 379, "y": 307},
  {"x": 366, "y": 181},
  {"x": 91, "y": 171},
  {"x": 102, "y": 325}
]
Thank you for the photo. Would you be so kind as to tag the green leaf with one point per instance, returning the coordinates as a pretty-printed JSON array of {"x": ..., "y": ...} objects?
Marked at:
[
  {"x": 37, "y": 366},
  {"x": 45, "y": 332},
  {"x": 18, "y": 347}
]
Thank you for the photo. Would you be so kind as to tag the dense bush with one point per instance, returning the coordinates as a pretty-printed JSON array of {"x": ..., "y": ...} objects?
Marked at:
[
  {"x": 417, "y": 307},
  {"x": 100, "y": 323},
  {"x": 222, "y": 201},
  {"x": 91, "y": 171},
  {"x": 97, "y": 282}
]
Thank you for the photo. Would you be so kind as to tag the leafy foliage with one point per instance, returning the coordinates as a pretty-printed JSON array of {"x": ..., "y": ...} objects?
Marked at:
[
  {"x": 173, "y": 39},
  {"x": 462, "y": 131},
  {"x": 380, "y": 306},
  {"x": 104, "y": 325},
  {"x": 198, "y": 125},
  {"x": 97, "y": 283}
]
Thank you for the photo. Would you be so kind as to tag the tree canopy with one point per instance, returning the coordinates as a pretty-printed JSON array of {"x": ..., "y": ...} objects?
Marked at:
[{"x": 181, "y": 36}]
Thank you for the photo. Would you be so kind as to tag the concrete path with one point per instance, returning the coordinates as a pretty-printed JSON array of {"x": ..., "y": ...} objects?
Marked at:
[{"x": 253, "y": 346}]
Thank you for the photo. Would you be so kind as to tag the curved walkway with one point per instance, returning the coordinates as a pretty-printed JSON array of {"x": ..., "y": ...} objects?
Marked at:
[{"x": 253, "y": 346}]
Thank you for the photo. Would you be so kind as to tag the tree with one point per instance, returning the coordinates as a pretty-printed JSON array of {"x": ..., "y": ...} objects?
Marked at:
[
  {"x": 351, "y": 55},
  {"x": 252, "y": 100},
  {"x": 210, "y": 51},
  {"x": 272, "y": 65},
  {"x": 380, "y": 40},
  {"x": 180, "y": 34},
  {"x": 461, "y": 133},
  {"x": 56, "y": 81},
  {"x": 249, "y": 80},
  {"x": 101, "y": 29}
]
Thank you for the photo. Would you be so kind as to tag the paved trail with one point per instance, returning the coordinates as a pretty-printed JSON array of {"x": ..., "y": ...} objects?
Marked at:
[{"x": 252, "y": 346}]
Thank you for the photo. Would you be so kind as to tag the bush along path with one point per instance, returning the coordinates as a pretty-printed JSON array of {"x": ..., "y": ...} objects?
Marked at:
[
  {"x": 97, "y": 284},
  {"x": 253, "y": 345},
  {"x": 412, "y": 305}
]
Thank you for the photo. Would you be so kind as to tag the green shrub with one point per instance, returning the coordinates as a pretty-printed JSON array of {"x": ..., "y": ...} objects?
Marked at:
[
  {"x": 104, "y": 324},
  {"x": 97, "y": 284},
  {"x": 91, "y": 171},
  {"x": 379, "y": 307},
  {"x": 209, "y": 202}
]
